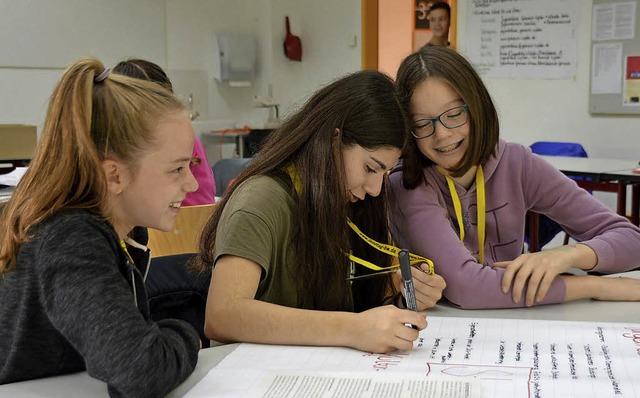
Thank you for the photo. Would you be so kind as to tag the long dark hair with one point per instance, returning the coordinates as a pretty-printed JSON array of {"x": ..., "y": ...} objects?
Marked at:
[
  {"x": 449, "y": 66},
  {"x": 362, "y": 107}
]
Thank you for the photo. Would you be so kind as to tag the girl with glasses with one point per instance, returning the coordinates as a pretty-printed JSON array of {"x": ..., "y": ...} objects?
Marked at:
[
  {"x": 283, "y": 254},
  {"x": 461, "y": 198}
]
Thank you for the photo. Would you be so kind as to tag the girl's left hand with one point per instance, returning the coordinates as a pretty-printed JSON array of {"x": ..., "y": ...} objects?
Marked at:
[
  {"x": 428, "y": 288},
  {"x": 537, "y": 271}
]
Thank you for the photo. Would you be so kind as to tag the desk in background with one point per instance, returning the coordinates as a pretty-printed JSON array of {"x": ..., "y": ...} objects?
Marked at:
[
  {"x": 597, "y": 174},
  {"x": 246, "y": 142},
  {"x": 5, "y": 193},
  {"x": 80, "y": 384},
  {"x": 8, "y": 166},
  {"x": 219, "y": 138},
  {"x": 18, "y": 145},
  {"x": 626, "y": 177}
]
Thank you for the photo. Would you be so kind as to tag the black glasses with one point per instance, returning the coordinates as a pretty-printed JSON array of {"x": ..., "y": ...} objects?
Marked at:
[{"x": 451, "y": 118}]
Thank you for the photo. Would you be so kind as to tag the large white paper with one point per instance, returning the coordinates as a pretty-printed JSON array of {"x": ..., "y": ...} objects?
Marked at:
[
  {"x": 523, "y": 39},
  {"x": 509, "y": 357}
]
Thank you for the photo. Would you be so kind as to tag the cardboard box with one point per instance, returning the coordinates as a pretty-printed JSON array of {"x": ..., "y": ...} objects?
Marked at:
[{"x": 17, "y": 141}]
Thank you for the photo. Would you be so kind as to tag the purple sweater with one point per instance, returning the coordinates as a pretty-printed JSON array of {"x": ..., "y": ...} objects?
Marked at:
[{"x": 517, "y": 180}]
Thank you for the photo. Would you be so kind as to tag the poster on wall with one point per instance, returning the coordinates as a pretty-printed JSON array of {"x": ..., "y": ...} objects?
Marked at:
[
  {"x": 421, "y": 20},
  {"x": 632, "y": 81},
  {"x": 614, "y": 21},
  {"x": 606, "y": 68},
  {"x": 523, "y": 39}
]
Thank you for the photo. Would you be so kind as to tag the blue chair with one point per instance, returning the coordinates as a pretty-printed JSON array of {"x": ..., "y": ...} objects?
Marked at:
[
  {"x": 558, "y": 149},
  {"x": 536, "y": 236},
  {"x": 226, "y": 170}
]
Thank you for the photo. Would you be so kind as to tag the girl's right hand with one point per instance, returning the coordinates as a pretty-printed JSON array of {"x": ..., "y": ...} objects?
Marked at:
[
  {"x": 535, "y": 272},
  {"x": 383, "y": 329}
]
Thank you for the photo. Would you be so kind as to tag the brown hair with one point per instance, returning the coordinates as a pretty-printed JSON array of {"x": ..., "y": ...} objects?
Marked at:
[
  {"x": 446, "y": 64},
  {"x": 86, "y": 122},
  {"x": 145, "y": 70},
  {"x": 441, "y": 5},
  {"x": 365, "y": 110}
]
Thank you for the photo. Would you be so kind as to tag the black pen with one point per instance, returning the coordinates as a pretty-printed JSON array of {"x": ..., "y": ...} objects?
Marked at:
[{"x": 407, "y": 279}]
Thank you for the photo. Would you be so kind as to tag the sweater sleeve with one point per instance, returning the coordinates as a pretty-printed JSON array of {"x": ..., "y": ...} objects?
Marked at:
[
  {"x": 421, "y": 224},
  {"x": 615, "y": 240},
  {"x": 204, "y": 175},
  {"x": 91, "y": 304}
]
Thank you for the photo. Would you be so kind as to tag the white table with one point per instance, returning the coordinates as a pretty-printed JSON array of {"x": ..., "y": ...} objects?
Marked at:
[
  {"x": 589, "y": 167},
  {"x": 82, "y": 385}
]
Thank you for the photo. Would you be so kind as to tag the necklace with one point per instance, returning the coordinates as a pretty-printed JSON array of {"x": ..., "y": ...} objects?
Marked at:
[{"x": 382, "y": 247}]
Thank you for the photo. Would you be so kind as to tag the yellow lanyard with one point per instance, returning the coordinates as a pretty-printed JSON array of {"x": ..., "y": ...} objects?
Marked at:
[
  {"x": 124, "y": 247},
  {"x": 383, "y": 247},
  {"x": 480, "y": 198}
]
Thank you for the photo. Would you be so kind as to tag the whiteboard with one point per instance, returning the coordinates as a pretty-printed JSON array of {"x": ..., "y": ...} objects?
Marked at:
[
  {"x": 530, "y": 39},
  {"x": 54, "y": 33}
]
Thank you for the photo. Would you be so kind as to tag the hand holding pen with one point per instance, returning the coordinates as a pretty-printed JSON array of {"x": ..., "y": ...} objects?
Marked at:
[
  {"x": 421, "y": 284},
  {"x": 427, "y": 288}
]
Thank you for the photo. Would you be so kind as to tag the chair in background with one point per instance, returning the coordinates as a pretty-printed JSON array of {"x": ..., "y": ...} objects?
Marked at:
[
  {"x": 226, "y": 170},
  {"x": 183, "y": 238},
  {"x": 174, "y": 291},
  {"x": 540, "y": 229},
  {"x": 551, "y": 148}
]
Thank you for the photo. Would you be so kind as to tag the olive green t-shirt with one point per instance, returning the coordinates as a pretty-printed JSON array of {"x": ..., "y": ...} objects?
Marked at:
[{"x": 258, "y": 224}]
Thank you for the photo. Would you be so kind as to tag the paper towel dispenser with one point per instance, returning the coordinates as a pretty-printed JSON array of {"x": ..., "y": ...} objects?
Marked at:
[{"x": 235, "y": 58}]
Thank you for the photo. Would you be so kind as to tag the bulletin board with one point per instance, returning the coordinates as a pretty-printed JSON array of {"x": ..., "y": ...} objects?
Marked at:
[{"x": 615, "y": 58}]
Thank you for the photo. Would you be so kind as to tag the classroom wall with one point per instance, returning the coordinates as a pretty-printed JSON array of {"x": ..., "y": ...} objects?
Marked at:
[
  {"x": 178, "y": 34},
  {"x": 395, "y": 30},
  {"x": 557, "y": 110},
  {"x": 330, "y": 42},
  {"x": 544, "y": 110},
  {"x": 537, "y": 110},
  {"x": 40, "y": 37}
]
